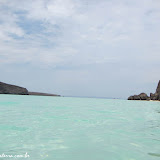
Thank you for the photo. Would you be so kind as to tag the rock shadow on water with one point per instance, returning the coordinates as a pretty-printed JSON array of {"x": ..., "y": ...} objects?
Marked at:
[{"x": 154, "y": 154}]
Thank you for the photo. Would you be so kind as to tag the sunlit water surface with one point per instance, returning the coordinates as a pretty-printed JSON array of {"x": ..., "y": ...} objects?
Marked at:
[{"x": 63, "y": 128}]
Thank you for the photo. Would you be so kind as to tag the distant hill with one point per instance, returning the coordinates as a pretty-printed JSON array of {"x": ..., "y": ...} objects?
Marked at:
[
  {"x": 13, "y": 89},
  {"x": 42, "y": 94}
]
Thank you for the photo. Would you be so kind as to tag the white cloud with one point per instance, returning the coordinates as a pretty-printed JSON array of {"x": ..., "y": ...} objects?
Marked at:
[
  {"x": 99, "y": 46},
  {"x": 79, "y": 32}
]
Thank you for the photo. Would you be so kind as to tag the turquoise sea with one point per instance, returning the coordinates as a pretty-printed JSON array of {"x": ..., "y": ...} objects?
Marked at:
[{"x": 65, "y": 128}]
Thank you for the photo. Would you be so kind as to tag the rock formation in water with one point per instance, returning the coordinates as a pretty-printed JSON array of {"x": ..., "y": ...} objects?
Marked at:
[
  {"x": 156, "y": 96},
  {"x": 143, "y": 96},
  {"x": 12, "y": 89},
  {"x": 41, "y": 94},
  {"x": 158, "y": 91}
]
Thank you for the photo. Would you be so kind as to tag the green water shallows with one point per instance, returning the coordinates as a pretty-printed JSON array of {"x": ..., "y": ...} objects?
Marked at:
[{"x": 63, "y": 128}]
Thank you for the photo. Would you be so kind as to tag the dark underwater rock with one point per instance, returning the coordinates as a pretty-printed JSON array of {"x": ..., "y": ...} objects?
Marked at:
[{"x": 12, "y": 89}]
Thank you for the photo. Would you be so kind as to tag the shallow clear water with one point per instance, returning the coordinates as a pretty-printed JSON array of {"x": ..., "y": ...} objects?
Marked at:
[{"x": 63, "y": 128}]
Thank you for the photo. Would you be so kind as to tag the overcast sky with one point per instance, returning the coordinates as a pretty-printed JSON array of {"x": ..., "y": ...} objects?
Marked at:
[{"x": 101, "y": 48}]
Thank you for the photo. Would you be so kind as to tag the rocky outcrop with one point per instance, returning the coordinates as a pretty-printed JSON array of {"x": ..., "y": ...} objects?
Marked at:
[
  {"x": 143, "y": 96},
  {"x": 135, "y": 97},
  {"x": 12, "y": 89},
  {"x": 41, "y": 94},
  {"x": 158, "y": 88},
  {"x": 154, "y": 96},
  {"x": 158, "y": 91}
]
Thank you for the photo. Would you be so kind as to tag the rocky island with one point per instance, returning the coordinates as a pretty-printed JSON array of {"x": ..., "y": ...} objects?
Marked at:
[
  {"x": 143, "y": 96},
  {"x": 12, "y": 89},
  {"x": 41, "y": 94}
]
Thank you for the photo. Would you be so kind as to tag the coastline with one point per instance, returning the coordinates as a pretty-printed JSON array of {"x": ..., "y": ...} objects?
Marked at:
[
  {"x": 144, "y": 97},
  {"x": 42, "y": 94},
  {"x": 17, "y": 90}
]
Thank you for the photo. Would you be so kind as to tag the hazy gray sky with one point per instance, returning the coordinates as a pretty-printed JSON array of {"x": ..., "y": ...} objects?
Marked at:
[{"x": 103, "y": 48}]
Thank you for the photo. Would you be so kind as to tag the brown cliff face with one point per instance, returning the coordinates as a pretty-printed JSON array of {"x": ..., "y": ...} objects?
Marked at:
[
  {"x": 154, "y": 96},
  {"x": 158, "y": 90},
  {"x": 12, "y": 89}
]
